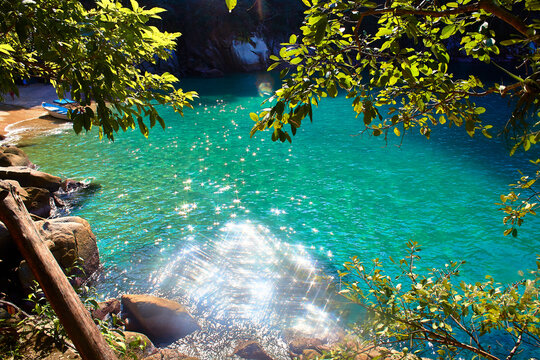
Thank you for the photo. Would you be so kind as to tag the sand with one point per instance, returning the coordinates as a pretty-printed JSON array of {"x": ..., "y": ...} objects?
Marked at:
[{"x": 23, "y": 118}]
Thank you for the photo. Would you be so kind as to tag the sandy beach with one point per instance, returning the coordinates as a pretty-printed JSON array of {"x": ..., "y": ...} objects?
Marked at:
[{"x": 23, "y": 118}]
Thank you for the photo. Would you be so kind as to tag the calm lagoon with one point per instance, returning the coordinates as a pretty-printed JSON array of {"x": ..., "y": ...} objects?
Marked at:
[{"x": 242, "y": 229}]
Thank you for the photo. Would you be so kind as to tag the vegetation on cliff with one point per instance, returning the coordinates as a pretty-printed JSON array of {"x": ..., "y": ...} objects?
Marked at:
[{"x": 92, "y": 55}]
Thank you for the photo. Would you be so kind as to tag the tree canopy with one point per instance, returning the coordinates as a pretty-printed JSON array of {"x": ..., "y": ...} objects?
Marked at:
[
  {"x": 391, "y": 59},
  {"x": 93, "y": 55}
]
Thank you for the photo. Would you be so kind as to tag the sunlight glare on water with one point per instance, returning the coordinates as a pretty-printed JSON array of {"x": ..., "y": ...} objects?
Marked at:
[{"x": 246, "y": 274}]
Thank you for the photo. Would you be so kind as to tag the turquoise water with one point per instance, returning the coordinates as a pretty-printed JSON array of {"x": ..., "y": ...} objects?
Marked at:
[{"x": 242, "y": 228}]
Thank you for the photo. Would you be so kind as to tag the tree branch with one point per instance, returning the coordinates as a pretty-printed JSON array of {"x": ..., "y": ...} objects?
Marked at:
[{"x": 486, "y": 5}]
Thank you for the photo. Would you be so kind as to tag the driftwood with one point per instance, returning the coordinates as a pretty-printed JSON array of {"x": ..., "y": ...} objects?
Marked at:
[{"x": 75, "y": 318}]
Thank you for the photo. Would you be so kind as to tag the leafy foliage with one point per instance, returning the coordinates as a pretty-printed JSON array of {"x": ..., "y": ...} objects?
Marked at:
[
  {"x": 391, "y": 60},
  {"x": 94, "y": 55},
  {"x": 402, "y": 66},
  {"x": 412, "y": 309},
  {"x": 22, "y": 330}
]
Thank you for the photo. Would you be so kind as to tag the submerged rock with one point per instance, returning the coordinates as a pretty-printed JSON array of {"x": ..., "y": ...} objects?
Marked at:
[
  {"x": 251, "y": 350},
  {"x": 162, "y": 320},
  {"x": 169, "y": 354},
  {"x": 299, "y": 345}
]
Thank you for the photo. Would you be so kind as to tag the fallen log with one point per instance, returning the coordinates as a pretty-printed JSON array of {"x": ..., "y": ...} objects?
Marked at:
[{"x": 75, "y": 318}]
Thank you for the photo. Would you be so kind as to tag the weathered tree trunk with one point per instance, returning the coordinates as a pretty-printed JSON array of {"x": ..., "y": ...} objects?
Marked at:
[{"x": 75, "y": 318}]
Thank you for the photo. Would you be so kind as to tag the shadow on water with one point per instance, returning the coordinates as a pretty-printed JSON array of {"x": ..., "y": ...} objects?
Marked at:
[{"x": 247, "y": 284}]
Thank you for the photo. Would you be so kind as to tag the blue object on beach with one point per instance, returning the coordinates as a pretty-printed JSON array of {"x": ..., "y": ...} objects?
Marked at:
[
  {"x": 56, "y": 111},
  {"x": 64, "y": 102}
]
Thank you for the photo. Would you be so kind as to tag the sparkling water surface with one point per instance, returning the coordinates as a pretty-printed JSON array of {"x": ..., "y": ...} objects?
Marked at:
[{"x": 245, "y": 231}]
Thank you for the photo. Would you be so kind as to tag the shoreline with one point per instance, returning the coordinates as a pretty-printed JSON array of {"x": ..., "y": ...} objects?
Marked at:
[{"x": 22, "y": 118}]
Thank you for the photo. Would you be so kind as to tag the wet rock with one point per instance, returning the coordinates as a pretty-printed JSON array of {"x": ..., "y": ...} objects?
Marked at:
[
  {"x": 251, "y": 350},
  {"x": 69, "y": 185},
  {"x": 162, "y": 320},
  {"x": 69, "y": 239},
  {"x": 104, "y": 308},
  {"x": 13, "y": 156},
  {"x": 31, "y": 178}
]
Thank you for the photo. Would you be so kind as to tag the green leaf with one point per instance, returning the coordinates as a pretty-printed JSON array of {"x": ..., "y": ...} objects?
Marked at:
[
  {"x": 292, "y": 39},
  {"x": 332, "y": 90},
  {"x": 320, "y": 27},
  {"x": 511, "y": 42},
  {"x": 448, "y": 31}
]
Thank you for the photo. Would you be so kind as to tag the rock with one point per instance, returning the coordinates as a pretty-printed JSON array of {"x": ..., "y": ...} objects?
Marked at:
[
  {"x": 252, "y": 54},
  {"x": 161, "y": 319},
  {"x": 104, "y": 308},
  {"x": 300, "y": 344},
  {"x": 251, "y": 350},
  {"x": 207, "y": 72},
  {"x": 13, "y": 156},
  {"x": 310, "y": 354},
  {"x": 69, "y": 185},
  {"x": 138, "y": 344},
  {"x": 169, "y": 354},
  {"x": 68, "y": 238},
  {"x": 38, "y": 201},
  {"x": 31, "y": 178}
]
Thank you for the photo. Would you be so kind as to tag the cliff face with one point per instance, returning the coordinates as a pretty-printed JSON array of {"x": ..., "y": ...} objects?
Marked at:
[{"x": 215, "y": 41}]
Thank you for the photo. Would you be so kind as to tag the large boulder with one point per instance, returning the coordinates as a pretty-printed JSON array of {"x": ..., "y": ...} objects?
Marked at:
[
  {"x": 31, "y": 178},
  {"x": 13, "y": 156},
  {"x": 69, "y": 239},
  {"x": 163, "y": 320}
]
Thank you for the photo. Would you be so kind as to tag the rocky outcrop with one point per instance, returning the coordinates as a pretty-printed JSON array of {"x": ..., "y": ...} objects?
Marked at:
[
  {"x": 162, "y": 320},
  {"x": 252, "y": 54},
  {"x": 13, "y": 156},
  {"x": 69, "y": 239},
  {"x": 28, "y": 177}
]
